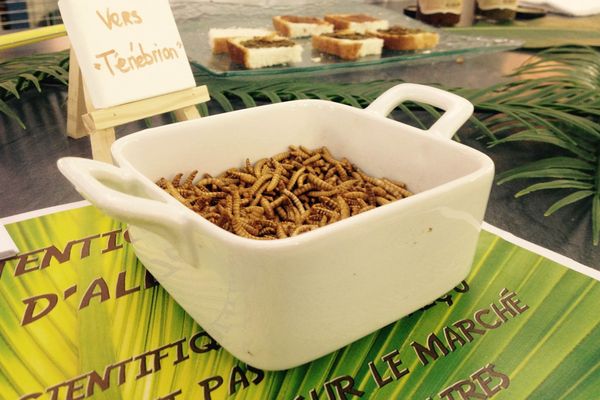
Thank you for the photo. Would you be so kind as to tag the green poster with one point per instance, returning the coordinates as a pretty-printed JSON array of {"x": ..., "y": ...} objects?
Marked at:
[{"x": 82, "y": 319}]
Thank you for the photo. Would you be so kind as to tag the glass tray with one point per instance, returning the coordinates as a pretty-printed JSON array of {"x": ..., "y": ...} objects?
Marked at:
[{"x": 194, "y": 19}]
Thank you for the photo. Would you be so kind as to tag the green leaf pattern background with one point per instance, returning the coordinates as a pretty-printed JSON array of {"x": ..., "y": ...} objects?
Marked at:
[{"x": 550, "y": 351}]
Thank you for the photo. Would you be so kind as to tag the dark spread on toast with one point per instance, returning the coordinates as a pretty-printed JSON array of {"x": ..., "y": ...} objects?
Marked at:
[
  {"x": 348, "y": 35},
  {"x": 399, "y": 31},
  {"x": 261, "y": 43}
]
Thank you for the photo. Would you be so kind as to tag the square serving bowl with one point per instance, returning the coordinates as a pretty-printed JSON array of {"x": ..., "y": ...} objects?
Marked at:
[{"x": 276, "y": 304}]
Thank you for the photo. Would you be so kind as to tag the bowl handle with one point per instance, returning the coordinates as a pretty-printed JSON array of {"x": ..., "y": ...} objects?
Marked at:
[
  {"x": 117, "y": 193},
  {"x": 457, "y": 109}
]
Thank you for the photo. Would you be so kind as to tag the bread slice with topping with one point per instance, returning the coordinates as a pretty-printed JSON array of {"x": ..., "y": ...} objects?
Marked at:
[
  {"x": 347, "y": 44},
  {"x": 295, "y": 26},
  {"x": 264, "y": 51},
  {"x": 217, "y": 37},
  {"x": 401, "y": 38},
  {"x": 360, "y": 23}
]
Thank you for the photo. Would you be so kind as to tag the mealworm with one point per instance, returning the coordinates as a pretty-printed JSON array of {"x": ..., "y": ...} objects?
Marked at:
[
  {"x": 190, "y": 178},
  {"x": 325, "y": 212},
  {"x": 174, "y": 192},
  {"x": 381, "y": 201},
  {"x": 295, "y": 177},
  {"x": 311, "y": 159},
  {"x": 304, "y": 188},
  {"x": 262, "y": 179},
  {"x": 268, "y": 209},
  {"x": 399, "y": 184},
  {"x": 258, "y": 194},
  {"x": 267, "y": 230},
  {"x": 329, "y": 202},
  {"x": 176, "y": 181},
  {"x": 306, "y": 151},
  {"x": 259, "y": 166},
  {"x": 343, "y": 206},
  {"x": 278, "y": 201},
  {"x": 281, "y": 234},
  {"x": 243, "y": 176},
  {"x": 294, "y": 199},
  {"x": 302, "y": 229},
  {"x": 367, "y": 208},
  {"x": 281, "y": 213},
  {"x": 319, "y": 183},
  {"x": 281, "y": 156}
]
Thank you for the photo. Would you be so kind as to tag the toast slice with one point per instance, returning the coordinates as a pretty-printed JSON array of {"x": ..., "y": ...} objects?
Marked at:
[
  {"x": 347, "y": 44},
  {"x": 295, "y": 26},
  {"x": 360, "y": 23},
  {"x": 264, "y": 51},
  {"x": 401, "y": 38},
  {"x": 217, "y": 37}
]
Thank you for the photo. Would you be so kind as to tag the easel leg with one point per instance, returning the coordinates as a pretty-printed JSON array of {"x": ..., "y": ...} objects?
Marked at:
[
  {"x": 101, "y": 141},
  {"x": 76, "y": 105},
  {"x": 187, "y": 113}
]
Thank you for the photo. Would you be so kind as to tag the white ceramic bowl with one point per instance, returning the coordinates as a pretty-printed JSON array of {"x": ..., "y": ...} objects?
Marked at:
[{"x": 280, "y": 303}]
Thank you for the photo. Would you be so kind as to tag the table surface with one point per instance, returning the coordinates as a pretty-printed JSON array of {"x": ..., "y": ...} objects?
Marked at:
[{"x": 30, "y": 179}]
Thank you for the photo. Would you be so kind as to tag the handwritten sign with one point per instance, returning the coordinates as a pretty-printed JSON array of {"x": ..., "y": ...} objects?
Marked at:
[{"x": 127, "y": 50}]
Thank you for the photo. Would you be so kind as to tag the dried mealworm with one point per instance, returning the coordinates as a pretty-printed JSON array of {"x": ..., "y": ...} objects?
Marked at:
[
  {"x": 254, "y": 210},
  {"x": 256, "y": 185},
  {"x": 295, "y": 200},
  {"x": 212, "y": 195},
  {"x": 176, "y": 181},
  {"x": 259, "y": 166},
  {"x": 257, "y": 195},
  {"x": 327, "y": 155},
  {"x": 235, "y": 207},
  {"x": 311, "y": 159},
  {"x": 378, "y": 191},
  {"x": 343, "y": 206},
  {"x": 279, "y": 201},
  {"x": 243, "y": 176},
  {"x": 367, "y": 208},
  {"x": 239, "y": 230},
  {"x": 190, "y": 179},
  {"x": 304, "y": 188},
  {"x": 281, "y": 156},
  {"x": 306, "y": 151},
  {"x": 254, "y": 231},
  {"x": 323, "y": 221},
  {"x": 281, "y": 213},
  {"x": 340, "y": 170},
  {"x": 394, "y": 182},
  {"x": 319, "y": 183},
  {"x": 355, "y": 195},
  {"x": 337, "y": 189},
  {"x": 381, "y": 201},
  {"x": 326, "y": 212},
  {"x": 267, "y": 230},
  {"x": 274, "y": 182},
  {"x": 302, "y": 229},
  {"x": 174, "y": 192},
  {"x": 281, "y": 234},
  {"x": 329, "y": 203},
  {"x": 268, "y": 209},
  {"x": 295, "y": 177},
  {"x": 330, "y": 173}
]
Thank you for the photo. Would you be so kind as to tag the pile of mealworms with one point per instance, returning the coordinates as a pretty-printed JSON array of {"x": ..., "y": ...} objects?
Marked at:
[{"x": 290, "y": 193}]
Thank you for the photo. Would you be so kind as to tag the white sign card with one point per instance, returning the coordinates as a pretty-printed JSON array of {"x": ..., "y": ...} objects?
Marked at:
[{"x": 127, "y": 49}]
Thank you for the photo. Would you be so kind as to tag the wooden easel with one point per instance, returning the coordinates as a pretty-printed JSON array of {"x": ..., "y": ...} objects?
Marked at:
[{"x": 83, "y": 119}]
